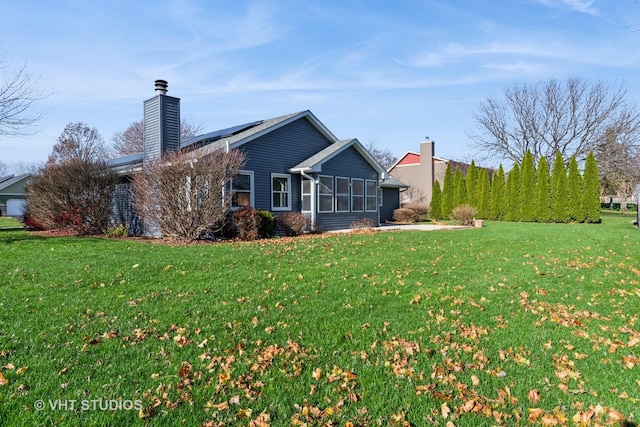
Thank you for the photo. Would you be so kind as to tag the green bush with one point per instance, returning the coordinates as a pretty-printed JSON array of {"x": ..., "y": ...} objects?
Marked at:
[
  {"x": 268, "y": 224},
  {"x": 117, "y": 231}
]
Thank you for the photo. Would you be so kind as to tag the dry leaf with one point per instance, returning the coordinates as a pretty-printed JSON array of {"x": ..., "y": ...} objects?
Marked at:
[
  {"x": 533, "y": 396},
  {"x": 3, "y": 380}
]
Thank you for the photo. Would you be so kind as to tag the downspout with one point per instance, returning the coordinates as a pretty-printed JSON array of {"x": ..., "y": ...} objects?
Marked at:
[{"x": 313, "y": 198}]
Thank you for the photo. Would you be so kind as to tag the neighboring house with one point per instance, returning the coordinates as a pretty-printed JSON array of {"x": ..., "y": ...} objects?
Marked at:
[
  {"x": 12, "y": 194},
  {"x": 293, "y": 164},
  {"x": 421, "y": 170}
]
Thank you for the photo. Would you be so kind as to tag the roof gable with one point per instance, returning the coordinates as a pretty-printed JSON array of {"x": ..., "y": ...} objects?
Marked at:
[
  {"x": 261, "y": 128},
  {"x": 314, "y": 163},
  {"x": 14, "y": 184}
]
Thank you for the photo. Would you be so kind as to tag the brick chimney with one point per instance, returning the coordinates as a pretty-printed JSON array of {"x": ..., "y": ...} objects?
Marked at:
[{"x": 161, "y": 123}]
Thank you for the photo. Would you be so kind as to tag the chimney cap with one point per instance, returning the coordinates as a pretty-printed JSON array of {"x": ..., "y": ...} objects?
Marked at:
[{"x": 161, "y": 87}]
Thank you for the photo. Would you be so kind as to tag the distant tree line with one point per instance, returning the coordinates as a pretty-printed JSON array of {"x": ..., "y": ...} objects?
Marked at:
[{"x": 526, "y": 193}]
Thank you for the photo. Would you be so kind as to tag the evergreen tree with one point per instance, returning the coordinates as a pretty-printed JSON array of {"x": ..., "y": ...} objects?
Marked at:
[
  {"x": 460, "y": 191},
  {"x": 591, "y": 190},
  {"x": 447, "y": 193},
  {"x": 472, "y": 185},
  {"x": 527, "y": 196},
  {"x": 497, "y": 195},
  {"x": 559, "y": 198},
  {"x": 436, "y": 201},
  {"x": 574, "y": 191},
  {"x": 543, "y": 190},
  {"x": 484, "y": 194},
  {"x": 511, "y": 192}
]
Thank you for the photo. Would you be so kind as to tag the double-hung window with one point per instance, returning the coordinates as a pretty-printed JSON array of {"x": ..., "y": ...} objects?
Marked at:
[
  {"x": 306, "y": 194},
  {"x": 325, "y": 194},
  {"x": 372, "y": 195},
  {"x": 242, "y": 190},
  {"x": 357, "y": 195},
  {"x": 280, "y": 192},
  {"x": 342, "y": 194}
]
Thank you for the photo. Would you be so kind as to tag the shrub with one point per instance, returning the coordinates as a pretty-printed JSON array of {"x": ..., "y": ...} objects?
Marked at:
[
  {"x": 363, "y": 224},
  {"x": 268, "y": 224},
  {"x": 464, "y": 213},
  {"x": 405, "y": 215},
  {"x": 117, "y": 231},
  {"x": 247, "y": 222},
  {"x": 421, "y": 209},
  {"x": 294, "y": 223}
]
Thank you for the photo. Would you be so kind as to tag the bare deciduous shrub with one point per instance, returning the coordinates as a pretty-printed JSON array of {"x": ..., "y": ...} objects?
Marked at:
[
  {"x": 73, "y": 195},
  {"x": 422, "y": 209},
  {"x": 464, "y": 214},
  {"x": 183, "y": 196},
  {"x": 363, "y": 224},
  {"x": 405, "y": 216},
  {"x": 247, "y": 222},
  {"x": 294, "y": 223}
]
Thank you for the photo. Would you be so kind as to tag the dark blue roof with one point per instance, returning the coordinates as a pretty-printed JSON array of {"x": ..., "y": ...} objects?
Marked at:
[
  {"x": 126, "y": 160},
  {"x": 219, "y": 134}
]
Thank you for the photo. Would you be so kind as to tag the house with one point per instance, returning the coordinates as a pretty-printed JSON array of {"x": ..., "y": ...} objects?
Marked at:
[
  {"x": 420, "y": 170},
  {"x": 12, "y": 194},
  {"x": 293, "y": 164}
]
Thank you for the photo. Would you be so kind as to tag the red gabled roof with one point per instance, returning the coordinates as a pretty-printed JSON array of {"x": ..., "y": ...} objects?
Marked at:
[{"x": 409, "y": 159}]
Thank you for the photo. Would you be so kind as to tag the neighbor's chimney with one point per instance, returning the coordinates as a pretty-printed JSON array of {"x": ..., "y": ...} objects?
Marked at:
[{"x": 161, "y": 87}]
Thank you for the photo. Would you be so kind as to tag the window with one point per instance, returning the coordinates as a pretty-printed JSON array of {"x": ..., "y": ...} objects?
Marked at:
[
  {"x": 280, "y": 192},
  {"x": 325, "y": 194},
  {"x": 342, "y": 194},
  {"x": 357, "y": 195},
  {"x": 306, "y": 194},
  {"x": 372, "y": 195},
  {"x": 242, "y": 190}
]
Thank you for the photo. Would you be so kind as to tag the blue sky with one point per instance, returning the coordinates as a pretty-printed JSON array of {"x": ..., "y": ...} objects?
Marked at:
[{"x": 377, "y": 70}]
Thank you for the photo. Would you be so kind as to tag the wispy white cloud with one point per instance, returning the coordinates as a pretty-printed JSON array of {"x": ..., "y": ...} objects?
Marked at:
[{"x": 582, "y": 6}]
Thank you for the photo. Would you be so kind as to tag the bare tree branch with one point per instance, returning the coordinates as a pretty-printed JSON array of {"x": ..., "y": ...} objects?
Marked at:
[
  {"x": 19, "y": 90},
  {"x": 131, "y": 140},
  {"x": 570, "y": 117}
]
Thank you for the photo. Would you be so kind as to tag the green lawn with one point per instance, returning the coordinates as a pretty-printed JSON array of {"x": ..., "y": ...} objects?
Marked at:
[{"x": 509, "y": 324}]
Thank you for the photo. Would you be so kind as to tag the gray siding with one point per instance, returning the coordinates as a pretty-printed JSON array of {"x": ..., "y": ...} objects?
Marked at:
[
  {"x": 278, "y": 151},
  {"x": 161, "y": 125},
  {"x": 122, "y": 212},
  {"x": 390, "y": 202}
]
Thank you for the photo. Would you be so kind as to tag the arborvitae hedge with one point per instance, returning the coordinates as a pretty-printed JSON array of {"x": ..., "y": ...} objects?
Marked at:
[
  {"x": 447, "y": 193},
  {"x": 591, "y": 190},
  {"x": 460, "y": 191},
  {"x": 543, "y": 192},
  {"x": 436, "y": 201},
  {"x": 527, "y": 196},
  {"x": 472, "y": 186},
  {"x": 574, "y": 191},
  {"x": 559, "y": 200},
  {"x": 511, "y": 192},
  {"x": 524, "y": 195},
  {"x": 497, "y": 195},
  {"x": 484, "y": 194}
]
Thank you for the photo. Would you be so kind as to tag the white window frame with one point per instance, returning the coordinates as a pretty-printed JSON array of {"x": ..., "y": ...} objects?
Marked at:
[
  {"x": 355, "y": 195},
  {"x": 251, "y": 189},
  {"x": 287, "y": 193},
  {"x": 368, "y": 196},
  {"x": 343, "y": 195},
  {"x": 321, "y": 194},
  {"x": 307, "y": 194}
]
